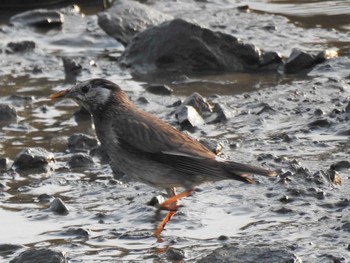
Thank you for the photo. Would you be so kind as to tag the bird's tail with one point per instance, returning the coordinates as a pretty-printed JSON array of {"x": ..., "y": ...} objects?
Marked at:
[{"x": 241, "y": 172}]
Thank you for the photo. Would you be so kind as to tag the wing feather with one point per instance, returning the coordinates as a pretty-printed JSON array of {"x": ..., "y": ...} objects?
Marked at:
[
  {"x": 149, "y": 134},
  {"x": 149, "y": 137}
]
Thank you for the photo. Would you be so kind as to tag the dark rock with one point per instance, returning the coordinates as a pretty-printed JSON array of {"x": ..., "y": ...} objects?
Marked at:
[
  {"x": 188, "y": 117},
  {"x": 244, "y": 8},
  {"x": 8, "y": 249},
  {"x": 59, "y": 207},
  {"x": 333, "y": 176},
  {"x": 100, "y": 215},
  {"x": 142, "y": 100},
  {"x": 212, "y": 145},
  {"x": 265, "y": 156},
  {"x": 156, "y": 201},
  {"x": 81, "y": 143},
  {"x": 234, "y": 145},
  {"x": 270, "y": 58},
  {"x": 347, "y": 108},
  {"x": 285, "y": 199},
  {"x": 336, "y": 84},
  {"x": 335, "y": 112},
  {"x": 199, "y": 103},
  {"x": 43, "y": 109},
  {"x": 159, "y": 89},
  {"x": 284, "y": 210},
  {"x": 42, "y": 255},
  {"x": 80, "y": 160},
  {"x": 176, "y": 104},
  {"x": 246, "y": 254},
  {"x": 286, "y": 174},
  {"x": 344, "y": 133},
  {"x": 72, "y": 69},
  {"x": 346, "y": 227},
  {"x": 45, "y": 198},
  {"x": 285, "y": 137},
  {"x": 38, "y": 18},
  {"x": 220, "y": 113},
  {"x": 320, "y": 123},
  {"x": 332, "y": 259},
  {"x": 302, "y": 62},
  {"x": 29, "y": 158},
  {"x": 266, "y": 109},
  {"x": 127, "y": 18},
  {"x": 319, "y": 178},
  {"x": 7, "y": 113},
  {"x": 182, "y": 47},
  {"x": 3, "y": 164},
  {"x": 174, "y": 254},
  {"x": 114, "y": 182},
  {"x": 223, "y": 238},
  {"x": 343, "y": 203},
  {"x": 341, "y": 165},
  {"x": 318, "y": 112},
  {"x": 21, "y": 47},
  {"x": 320, "y": 195},
  {"x": 37, "y": 69},
  {"x": 80, "y": 232}
]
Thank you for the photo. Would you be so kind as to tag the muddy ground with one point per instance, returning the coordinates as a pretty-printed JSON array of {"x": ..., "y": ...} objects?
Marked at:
[{"x": 297, "y": 125}]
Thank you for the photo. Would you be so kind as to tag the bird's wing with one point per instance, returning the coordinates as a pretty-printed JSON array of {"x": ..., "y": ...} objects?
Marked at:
[
  {"x": 158, "y": 141},
  {"x": 149, "y": 134}
]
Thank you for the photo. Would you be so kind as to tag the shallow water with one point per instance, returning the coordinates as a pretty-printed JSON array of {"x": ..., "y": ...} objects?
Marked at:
[{"x": 114, "y": 216}]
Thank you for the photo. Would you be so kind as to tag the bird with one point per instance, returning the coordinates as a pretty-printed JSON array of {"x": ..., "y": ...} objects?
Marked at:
[{"x": 150, "y": 150}]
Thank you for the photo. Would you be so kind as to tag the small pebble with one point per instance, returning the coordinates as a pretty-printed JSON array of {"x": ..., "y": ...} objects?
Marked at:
[
  {"x": 160, "y": 89},
  {"x": 59, "y": 207}
]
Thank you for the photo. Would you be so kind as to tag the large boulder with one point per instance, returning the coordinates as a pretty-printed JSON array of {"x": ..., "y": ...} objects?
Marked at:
[
  {"x": 181, "y": 46},
  {"x": 127, "y": 18}
]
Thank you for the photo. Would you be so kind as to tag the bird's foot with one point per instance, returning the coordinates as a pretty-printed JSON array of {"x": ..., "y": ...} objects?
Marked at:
[{"x": 172, "y": 206}]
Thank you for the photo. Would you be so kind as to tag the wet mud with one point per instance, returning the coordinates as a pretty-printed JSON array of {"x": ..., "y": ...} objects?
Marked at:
[{"x": 59, "y": 197}]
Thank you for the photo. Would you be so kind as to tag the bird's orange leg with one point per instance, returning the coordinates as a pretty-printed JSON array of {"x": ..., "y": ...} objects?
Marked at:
[
  {"x": 163, "y": 223},
  {"x": 169, "y": 205}
]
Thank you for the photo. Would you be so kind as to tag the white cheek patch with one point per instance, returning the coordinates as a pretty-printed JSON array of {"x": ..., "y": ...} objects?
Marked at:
[{"x": 101, "y": 95}]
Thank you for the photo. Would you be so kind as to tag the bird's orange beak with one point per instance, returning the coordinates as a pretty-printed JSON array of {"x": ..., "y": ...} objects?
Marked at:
[{"x": 60, "y": 94}]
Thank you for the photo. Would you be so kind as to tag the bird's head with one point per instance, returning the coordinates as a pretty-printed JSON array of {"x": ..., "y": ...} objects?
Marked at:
[{"x": 92, "y": 94}]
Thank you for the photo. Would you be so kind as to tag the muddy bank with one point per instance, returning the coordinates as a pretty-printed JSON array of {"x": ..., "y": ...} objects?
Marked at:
[{"x": 59, "y": 197}]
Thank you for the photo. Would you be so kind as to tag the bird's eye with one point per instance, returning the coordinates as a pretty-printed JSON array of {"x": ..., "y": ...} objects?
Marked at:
[{"x": 85, "y": 89}]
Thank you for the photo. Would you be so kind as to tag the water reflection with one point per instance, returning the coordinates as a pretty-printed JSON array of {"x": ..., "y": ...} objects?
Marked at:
[{"x": 310, "y": 14}]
